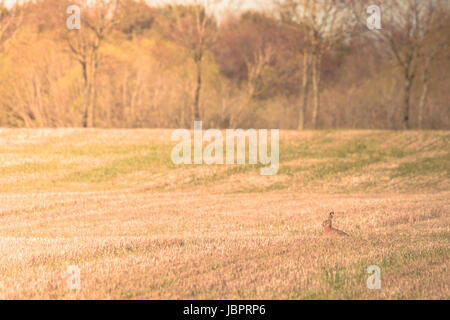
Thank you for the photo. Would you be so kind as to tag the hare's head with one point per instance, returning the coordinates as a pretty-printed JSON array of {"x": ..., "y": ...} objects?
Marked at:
[{"x": 331, "y": 215}]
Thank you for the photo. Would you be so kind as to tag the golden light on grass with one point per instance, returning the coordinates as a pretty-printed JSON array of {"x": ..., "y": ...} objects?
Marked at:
[{"x": 138, "y": 229}]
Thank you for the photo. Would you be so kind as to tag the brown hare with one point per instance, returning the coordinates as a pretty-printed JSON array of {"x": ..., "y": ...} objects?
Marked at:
[{"x": 328, "y": 229}]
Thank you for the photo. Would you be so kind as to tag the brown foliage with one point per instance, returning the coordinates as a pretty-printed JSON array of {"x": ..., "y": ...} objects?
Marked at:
[{"x": 168, "y": 65}]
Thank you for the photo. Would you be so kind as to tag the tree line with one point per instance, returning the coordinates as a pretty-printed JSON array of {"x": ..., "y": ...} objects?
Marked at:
[{"x": 298, "y": 64}]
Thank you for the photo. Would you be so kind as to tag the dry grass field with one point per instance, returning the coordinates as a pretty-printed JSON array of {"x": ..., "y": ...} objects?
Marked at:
[{"x": 112, "y": 203}]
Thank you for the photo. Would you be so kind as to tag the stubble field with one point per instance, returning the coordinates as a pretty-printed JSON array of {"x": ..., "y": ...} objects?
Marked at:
[{"x": 112, "y": 203}]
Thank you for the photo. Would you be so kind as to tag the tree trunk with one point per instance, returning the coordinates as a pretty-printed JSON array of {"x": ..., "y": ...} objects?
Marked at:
[
  {"x": 196, "y": 107},
  {"x": 316, "y": 66},
  {"x": 89, "y": 75},
  {"x": 305, "y": 91},
  {"x": 406, "y": 102},
  {"x": 424, "y": 95},
  {"x": 91, "y": 119},
  {"x": 86, "y": 95},
  {"x": 95, "y": 63}
]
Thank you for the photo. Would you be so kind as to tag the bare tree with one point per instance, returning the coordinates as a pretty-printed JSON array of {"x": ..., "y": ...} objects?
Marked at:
[
  {"x": 252, "y": 40},
  {"x": 433, "y": 46},
  {"x": 406, "y": 26},
  {"x": 259, "y": 39},
  {"x": 10, "y": 21},
  {"x": 97, "y": 21},
  {"x": 255, "y": 67},
  {"x": 323, "y": 24},
  {"x": 292, "y": 15},
  {"x": 194, "y": 27}
]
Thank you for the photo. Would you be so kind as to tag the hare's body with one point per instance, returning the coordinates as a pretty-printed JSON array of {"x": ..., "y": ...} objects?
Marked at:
[{"x": 328, "y": 229}]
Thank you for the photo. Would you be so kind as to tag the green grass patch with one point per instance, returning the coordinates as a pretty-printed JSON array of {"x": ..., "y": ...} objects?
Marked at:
[
  {"x": 154, "y": 159},
  {"x": 31, "y": 167},
  {"x": 423, "y": 167},
  {"x": 310, "y": 160}
]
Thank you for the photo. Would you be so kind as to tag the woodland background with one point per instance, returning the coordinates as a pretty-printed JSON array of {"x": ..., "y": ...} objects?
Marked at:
[{"x": 293, "y": 64}]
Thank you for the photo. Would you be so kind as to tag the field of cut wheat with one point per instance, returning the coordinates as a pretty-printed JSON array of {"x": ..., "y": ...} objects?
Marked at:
[{"x": 112, "y": 205}]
